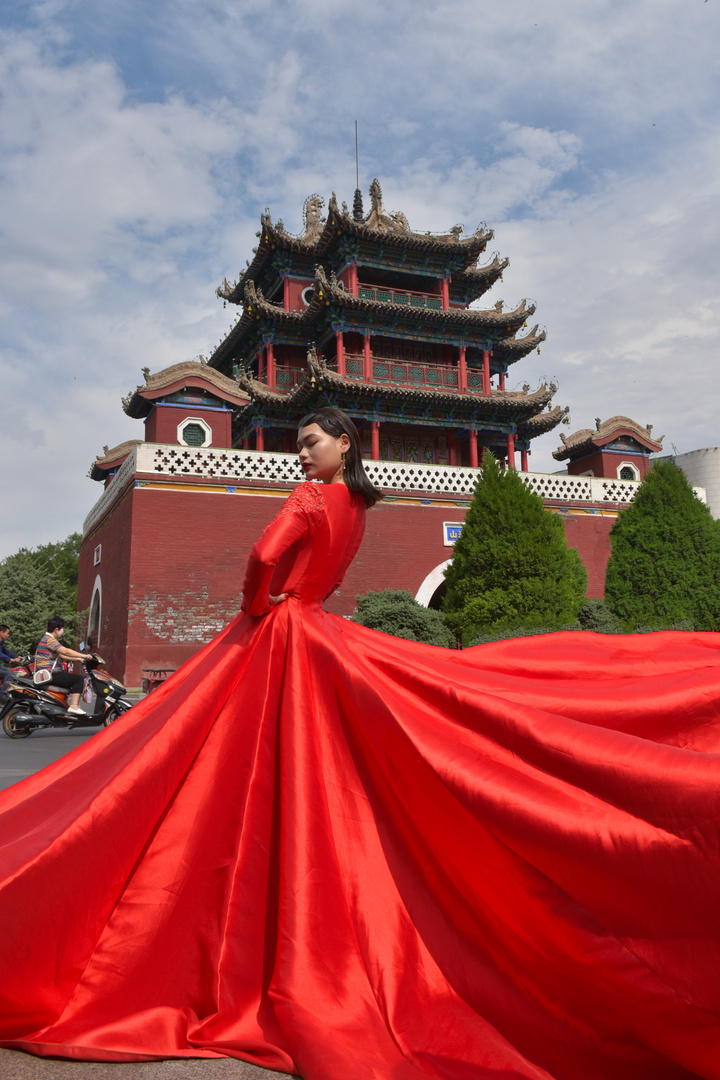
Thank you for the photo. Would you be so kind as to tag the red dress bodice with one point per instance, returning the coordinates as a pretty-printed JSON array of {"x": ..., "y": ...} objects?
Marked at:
[{"x": 306, "y": 548}]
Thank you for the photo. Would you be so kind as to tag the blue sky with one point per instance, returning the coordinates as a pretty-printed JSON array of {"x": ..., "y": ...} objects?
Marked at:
[{"x": 139, "y": 144}]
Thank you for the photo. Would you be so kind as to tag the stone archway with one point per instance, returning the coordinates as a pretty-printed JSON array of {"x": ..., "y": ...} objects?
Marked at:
[{"x": 432, "y": 590}]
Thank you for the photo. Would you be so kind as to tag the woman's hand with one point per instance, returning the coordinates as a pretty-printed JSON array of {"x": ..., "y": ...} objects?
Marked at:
[{"x": 275, "y": 600}]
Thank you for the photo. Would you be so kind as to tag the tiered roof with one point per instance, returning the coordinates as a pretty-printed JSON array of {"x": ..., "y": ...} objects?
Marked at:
[
  {"x": 396, "y": 268},
  {"x": 489, "y": 328},
  {"x": 324, "y": 239}
]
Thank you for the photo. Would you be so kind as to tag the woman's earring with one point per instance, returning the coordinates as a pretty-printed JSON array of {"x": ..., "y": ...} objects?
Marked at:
[{"x": 342, "y": 460}]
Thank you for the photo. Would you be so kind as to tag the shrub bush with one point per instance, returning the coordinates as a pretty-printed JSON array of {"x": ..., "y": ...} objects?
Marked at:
[{"x": 396, "y": 612}]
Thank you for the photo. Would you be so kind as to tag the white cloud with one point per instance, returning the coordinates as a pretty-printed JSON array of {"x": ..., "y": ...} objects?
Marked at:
[{"x": 140, "y": 143}]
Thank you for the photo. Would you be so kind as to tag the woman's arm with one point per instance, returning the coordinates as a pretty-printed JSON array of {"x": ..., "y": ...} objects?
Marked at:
[
  {"x": 69, "y": 654},
  {"x": 292, "y": 522}
]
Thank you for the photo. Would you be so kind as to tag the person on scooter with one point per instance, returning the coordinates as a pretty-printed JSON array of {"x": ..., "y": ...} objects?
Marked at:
[
  {"x": 48, "y": 657},
  {"x": 6, "y": 656}
]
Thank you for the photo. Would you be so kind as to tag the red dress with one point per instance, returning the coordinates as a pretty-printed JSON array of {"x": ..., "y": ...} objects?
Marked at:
[{"x": 337, "y": 853}]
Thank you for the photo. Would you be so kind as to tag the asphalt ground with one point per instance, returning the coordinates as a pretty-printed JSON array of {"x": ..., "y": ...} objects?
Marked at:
[
  {"x": 23, "y": 757},
  {"x": 14, "y": 1065}
]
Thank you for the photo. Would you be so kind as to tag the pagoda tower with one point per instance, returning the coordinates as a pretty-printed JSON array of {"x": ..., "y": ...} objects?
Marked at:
[{"x": 362, "y": 313}]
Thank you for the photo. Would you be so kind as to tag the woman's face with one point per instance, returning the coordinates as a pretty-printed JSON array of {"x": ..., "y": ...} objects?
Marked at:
[{"x": 321, "y": 454}]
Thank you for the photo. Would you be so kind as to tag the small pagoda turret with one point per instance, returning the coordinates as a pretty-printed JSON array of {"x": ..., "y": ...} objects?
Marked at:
[
  {"x": 362, "y": 313},
  {"x": 618, "y": 448}
]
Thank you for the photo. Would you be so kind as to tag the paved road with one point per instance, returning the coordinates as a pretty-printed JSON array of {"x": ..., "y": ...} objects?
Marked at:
[
  {"x": 17, "y": 1066},
  {"x": 23, "y": 757}
]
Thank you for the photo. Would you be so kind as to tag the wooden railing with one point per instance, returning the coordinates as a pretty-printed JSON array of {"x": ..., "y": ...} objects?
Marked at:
[
  {"x": 389, "y": 371},
  {"x": 386, "y": 370},
  {"x": 400, "y": 296}
]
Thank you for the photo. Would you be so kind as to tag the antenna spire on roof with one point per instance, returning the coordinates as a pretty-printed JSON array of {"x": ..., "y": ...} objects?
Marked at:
[{"x": 357, "y": 201}]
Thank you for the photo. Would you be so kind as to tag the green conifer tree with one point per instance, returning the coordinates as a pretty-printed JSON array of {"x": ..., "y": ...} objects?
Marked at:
[
  {"x": 511, "y": 565},
  {"x": 397, "y": 612},
  {"x": 665, "y": 562},
  {"x": 31, "y": 592}
]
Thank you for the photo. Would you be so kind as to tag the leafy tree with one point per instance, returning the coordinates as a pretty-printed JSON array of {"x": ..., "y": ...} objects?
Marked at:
[
  {"x": 34, "y": 586},
  {"x": 62, "y": 559},
  {"x": 397, "y": 612},
  {"x": 511, "y": 565},
  {"x": 665, "y": 564}
]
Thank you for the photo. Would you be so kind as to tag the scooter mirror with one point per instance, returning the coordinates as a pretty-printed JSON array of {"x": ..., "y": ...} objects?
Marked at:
[
  {"x": 89, "y": 643},
  {"x": 81, "y": 646}
]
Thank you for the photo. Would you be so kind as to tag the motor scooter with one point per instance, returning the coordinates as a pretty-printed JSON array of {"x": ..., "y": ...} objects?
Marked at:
[{"x": 27, "y": 706}]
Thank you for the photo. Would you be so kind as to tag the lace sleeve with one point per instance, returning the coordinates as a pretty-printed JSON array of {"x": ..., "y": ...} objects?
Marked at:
[{"x": 296, "y": 516}]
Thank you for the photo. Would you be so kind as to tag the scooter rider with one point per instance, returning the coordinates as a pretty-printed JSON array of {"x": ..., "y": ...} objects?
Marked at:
[
  {"x": 48, "y": 656},
  {"x": 6, "y": 657}
]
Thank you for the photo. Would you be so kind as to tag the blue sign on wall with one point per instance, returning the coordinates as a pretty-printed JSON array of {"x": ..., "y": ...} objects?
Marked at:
[{"x": 451, "y": 531}]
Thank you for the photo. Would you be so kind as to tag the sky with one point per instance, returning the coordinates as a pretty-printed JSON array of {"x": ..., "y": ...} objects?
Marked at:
[{"x": 139, "y": 144}]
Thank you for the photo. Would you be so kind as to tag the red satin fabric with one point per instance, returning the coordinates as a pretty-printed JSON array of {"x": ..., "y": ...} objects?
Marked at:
[{"x": 336, "y": 853}]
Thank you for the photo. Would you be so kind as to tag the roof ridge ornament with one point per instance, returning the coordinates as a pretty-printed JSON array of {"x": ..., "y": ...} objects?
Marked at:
[{"x": 312, "y": 218}]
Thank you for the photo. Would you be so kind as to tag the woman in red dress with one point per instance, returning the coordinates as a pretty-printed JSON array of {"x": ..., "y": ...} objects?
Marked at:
[{"x": 340, "y": 854}]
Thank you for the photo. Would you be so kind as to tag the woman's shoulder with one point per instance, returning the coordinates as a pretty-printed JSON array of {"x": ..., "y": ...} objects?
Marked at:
[{"x": 305, "y": 498}]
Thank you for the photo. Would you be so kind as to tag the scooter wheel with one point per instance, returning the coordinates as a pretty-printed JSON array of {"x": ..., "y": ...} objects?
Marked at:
[{"x": 13, "y": 730}]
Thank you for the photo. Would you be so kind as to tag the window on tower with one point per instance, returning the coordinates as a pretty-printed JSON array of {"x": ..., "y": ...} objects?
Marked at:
[{"x": 193, "y": 435}]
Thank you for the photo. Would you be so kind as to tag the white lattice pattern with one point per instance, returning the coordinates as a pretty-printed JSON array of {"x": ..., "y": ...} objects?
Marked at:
[
  {"x": 393, "y": 476},
  {"x": 219, "y": 464}
]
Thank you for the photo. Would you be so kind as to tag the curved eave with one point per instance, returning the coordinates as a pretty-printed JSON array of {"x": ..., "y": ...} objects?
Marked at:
[
  {"x": 257, "y": 309},
  {"x": 512, "y": 349},
  {"x": 543, "y": 422},
  {"x": 143, "y": 399},
  {"x": 468, "y": 247},
  {"x": 474, "y": 282},
  {"x": 104, "y": 464},
  {"x": 271, "y": 239},
  {"x": 510, "y": 403},
  {"x": 494, "y": 321}
]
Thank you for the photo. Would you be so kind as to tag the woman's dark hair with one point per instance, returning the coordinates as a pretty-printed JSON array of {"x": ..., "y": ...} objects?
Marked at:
[
  {"x": 56, "y": 623},
  {"x": 336, "y": 423}
]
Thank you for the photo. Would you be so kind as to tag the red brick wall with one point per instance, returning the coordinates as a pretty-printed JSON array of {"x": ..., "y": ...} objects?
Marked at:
[
  {"x": 115, "y": 537},
  {"x": 162, "y": 424},
  {"x": 173, "y": 563},
  {"x": 590, "y": 535}
]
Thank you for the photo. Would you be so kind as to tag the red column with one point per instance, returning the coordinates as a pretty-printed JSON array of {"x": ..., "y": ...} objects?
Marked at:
[
  {"x": 367, "y": 358},
  {"x": 502, "y": 380},
  {"x": 452, "y": 450},
  {"x": 270, "y": 365},
  {"x": 445, "y": 292},
  {"x": 286, "y": 293},
  {"x": 511, "y": 451},
  {"x": 486, "y": 372},
  {"x": 353, "y": 279},
  {"x": 462, "y": 371},
  {"x": 246, "y": 444},
  {"x": 447, "y": 355},
  {"x": 259, "y": 440},
  {"x": 375, "y": 437},
  {"x": 524, "y": 460},
  {"x": 261, "y": 364},
  {"x": 473, "y": 448},
  {"x": 340, "y": 352}
]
